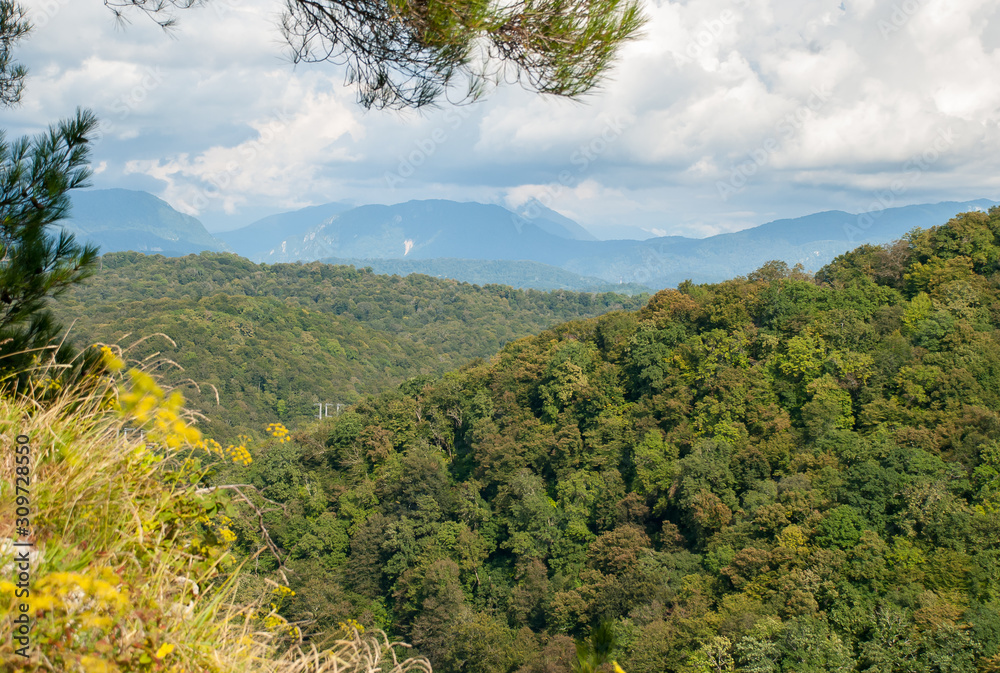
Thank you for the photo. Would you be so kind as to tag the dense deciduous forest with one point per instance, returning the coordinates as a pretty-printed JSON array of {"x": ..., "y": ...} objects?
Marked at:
[
  {"x": 773, "y": 474},
  {"x": 273, "y": 341}
]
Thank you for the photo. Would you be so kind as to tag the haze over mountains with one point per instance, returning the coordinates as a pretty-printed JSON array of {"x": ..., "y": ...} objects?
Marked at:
[
  {"x": 123, "y": 219},
  {"x": 268, "y": 232},
  {"x": 482, "y": 243}
]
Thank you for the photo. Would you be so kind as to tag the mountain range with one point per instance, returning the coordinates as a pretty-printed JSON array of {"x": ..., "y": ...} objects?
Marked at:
[
  {"x": 531, "y": 246},
  {"x": 268, "y": 232}
]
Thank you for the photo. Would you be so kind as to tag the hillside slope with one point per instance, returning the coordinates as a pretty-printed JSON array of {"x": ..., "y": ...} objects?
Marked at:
[
  {"x": 274, "y": 341},
  {"x": 778, "y": 473},
  {"x": 520, "y": 274}
]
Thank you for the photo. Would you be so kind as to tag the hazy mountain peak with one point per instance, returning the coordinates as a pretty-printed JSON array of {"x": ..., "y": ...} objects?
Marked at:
[
  {"x": 549, "y": 220},
  {"x": 124, "y": 219},
  {"x": 261, "y": 237}
]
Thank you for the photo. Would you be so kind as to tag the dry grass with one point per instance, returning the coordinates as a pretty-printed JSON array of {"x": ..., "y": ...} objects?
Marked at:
[{"x": 126, "y": 575}]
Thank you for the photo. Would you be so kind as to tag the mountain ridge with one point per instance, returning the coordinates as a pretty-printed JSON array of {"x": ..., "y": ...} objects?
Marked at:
[
  {"x": 258, "y": 235},
  {"x": 123, "y": 219},
  {"x": 518, "y": 274},
  {"x": 434, "y": 231}
]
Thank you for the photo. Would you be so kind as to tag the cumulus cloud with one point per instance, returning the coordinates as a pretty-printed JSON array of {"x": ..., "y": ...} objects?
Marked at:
[
  {"x": 284, "y": 161},
  {"x": 725, "y": 114}
]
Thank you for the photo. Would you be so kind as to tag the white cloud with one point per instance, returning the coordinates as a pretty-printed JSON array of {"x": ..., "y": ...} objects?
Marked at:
[
  {"x": 712, "y": 85},
  {"x": 280, "y": 162}
]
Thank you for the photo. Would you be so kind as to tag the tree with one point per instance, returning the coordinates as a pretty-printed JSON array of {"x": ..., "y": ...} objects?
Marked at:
[
  {"x": 408, "y": 53},
  {"x": 713, "y": 657},
  {"x": 13, "y": 27},
  {"x": 36, "y": 175},
  {"x": 598, "y": 649}
]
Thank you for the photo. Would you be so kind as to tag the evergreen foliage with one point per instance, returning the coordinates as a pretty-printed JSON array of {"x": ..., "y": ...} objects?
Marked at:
[
  {"x": 404, "y": 54},
  {"x": 13, "y": 27},
  {"x": 36, "y": 175},
  {"x": 35, "y": 266}
]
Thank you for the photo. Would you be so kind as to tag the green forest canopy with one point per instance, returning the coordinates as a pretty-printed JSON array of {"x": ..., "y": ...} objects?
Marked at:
[
  {"x": 275, "y": 340},
  {"x": 777, "y": 473}
]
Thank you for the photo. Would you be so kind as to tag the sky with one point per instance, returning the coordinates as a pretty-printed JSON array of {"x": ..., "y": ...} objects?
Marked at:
[{"x": 725, "y": 114}]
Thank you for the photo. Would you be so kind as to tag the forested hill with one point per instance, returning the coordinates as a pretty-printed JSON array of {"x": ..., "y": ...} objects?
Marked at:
[
  {"x": 773, "y": 474},
  {"x": 275, "y": 340}
]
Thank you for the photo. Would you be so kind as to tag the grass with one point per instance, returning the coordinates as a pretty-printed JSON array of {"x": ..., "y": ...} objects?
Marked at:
[{"x": 129, "y": 568}]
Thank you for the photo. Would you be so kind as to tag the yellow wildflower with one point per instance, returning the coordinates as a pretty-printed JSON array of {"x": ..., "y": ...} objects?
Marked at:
[
  {"x": 111, "y": 359},
  {"x": 282, "y": 591},
  {"x": 165, "y": 649},
  {"x": 94, "y": 665}
]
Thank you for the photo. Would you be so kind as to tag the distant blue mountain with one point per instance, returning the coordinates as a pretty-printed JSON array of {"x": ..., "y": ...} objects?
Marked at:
[
  {"x": 812, "y": 240},
  {"x": 425, "y": 230},
  {"x": 447, "y": 237},
  {"x": 428, "y": 230},
  {"x": 261, "y": 237},
  {"x": 554, "y": 223},
  {"x": 122, "y": 219}
]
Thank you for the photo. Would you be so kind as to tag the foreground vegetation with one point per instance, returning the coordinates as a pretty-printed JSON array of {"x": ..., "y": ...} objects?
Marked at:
[
  {"x": 128, "y": 566},
  {"x": 777, "y": 473},
  {"x": 258, "y": 344}
]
